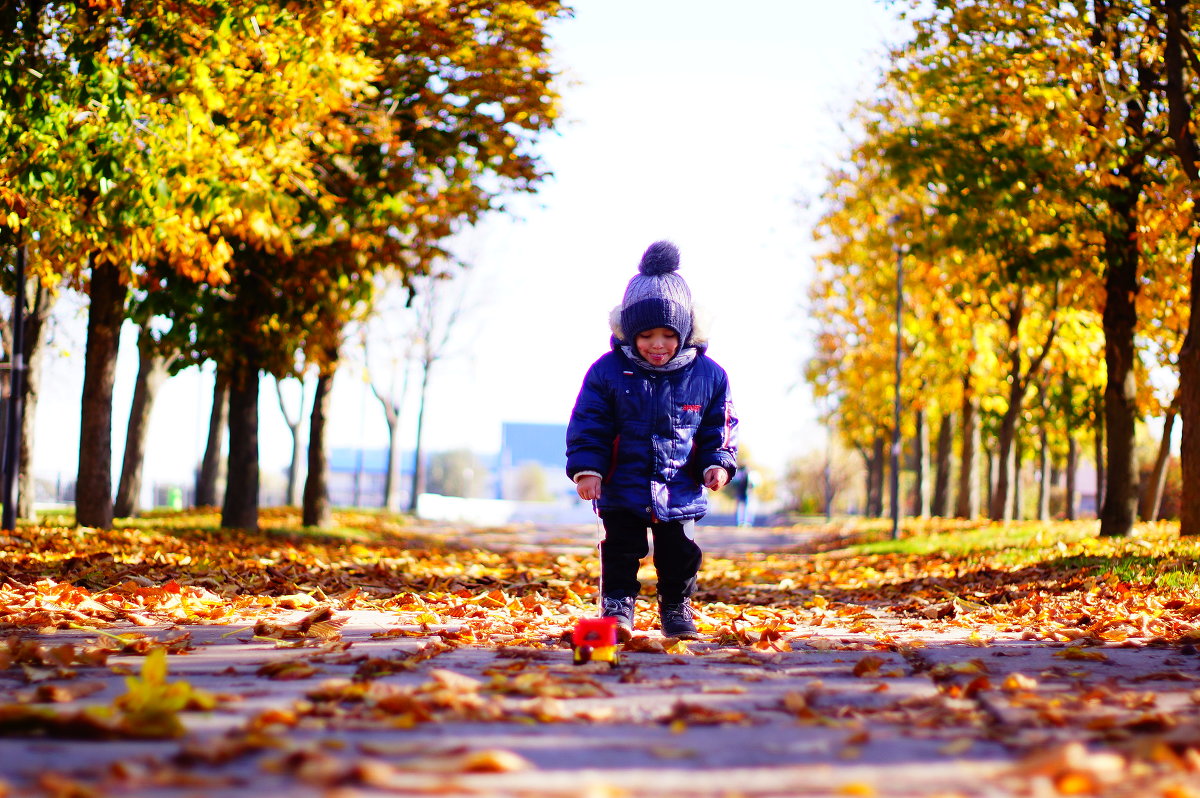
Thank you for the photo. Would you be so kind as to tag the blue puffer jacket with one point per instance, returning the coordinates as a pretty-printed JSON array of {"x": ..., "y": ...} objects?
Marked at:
[{"x": 650, "y": 435}]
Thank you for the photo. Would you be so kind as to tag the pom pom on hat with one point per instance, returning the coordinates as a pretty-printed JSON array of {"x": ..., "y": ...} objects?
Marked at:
[
  {"x": 657, "y": 296},
  {"x": 660, "y": 257}
]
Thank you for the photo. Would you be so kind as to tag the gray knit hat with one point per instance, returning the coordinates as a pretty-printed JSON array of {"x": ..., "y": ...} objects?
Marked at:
[{"x": 657, "y": 296}]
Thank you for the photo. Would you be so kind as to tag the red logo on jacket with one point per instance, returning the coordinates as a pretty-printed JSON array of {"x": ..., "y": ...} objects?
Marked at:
[{"x": 695, "y": 408}]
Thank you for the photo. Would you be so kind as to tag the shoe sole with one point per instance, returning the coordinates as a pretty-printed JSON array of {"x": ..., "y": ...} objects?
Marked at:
[{"x": 683, "y": 636}]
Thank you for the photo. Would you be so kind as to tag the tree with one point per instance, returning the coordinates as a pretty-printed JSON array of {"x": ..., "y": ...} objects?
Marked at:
[
  {"x": 100, "y": 97},
  {"x": 154, "y": 364},
  {"x": 1180, "y": 71},
  {"x": 39, "y": 301},
  {"x": 532, "y": 484},
  {"x": 209, "y": 473},
  {"x": 440, "y": 303},
  {"x": 457, "y": 473},
  {"x": 294, "y": 424},
  {"x": 390, "y": 329},
  {"x": 454, "y": 98},
  {"x": 1029, "y": 137},
  {"x": 317, "y": 510}
]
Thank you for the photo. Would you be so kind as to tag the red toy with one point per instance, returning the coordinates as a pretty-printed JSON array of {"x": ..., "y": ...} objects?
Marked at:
[{"x": 595, "y": 640}]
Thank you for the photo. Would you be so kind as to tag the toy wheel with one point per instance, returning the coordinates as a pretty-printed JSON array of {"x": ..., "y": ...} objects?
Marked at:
[{"x": 583, "y": 654}]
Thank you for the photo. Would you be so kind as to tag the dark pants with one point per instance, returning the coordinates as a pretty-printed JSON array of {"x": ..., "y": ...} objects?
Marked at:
[{"x": 676, "y": 556}]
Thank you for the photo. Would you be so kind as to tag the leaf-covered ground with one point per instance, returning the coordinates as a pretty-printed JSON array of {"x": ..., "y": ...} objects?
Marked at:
[{"x": 1114, "y": 624}]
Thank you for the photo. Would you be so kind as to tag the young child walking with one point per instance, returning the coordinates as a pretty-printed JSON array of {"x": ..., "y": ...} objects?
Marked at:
[{"x": 652, "y": 428}]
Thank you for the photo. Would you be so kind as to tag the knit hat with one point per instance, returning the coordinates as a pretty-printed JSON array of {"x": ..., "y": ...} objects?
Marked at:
[{"x": 657, "y": 296}]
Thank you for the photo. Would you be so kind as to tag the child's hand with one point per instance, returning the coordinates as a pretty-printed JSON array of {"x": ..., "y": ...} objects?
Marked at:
[
  {"x": 715, "y": 478},
  {"x": 588, "y": 488}
]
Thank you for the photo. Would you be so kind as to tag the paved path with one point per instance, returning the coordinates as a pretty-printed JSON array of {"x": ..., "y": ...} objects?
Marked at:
[{"x": 389, "y": 704}]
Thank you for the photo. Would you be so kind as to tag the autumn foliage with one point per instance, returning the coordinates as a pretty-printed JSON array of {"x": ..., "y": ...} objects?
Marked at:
[
  {"x": 75, "y": 601},
  {"x": 235, "y": 178},
  {"x": 1027, "y": 170}
]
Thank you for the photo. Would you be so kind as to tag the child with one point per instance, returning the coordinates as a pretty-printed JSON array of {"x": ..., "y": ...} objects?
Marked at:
[{"x": 652, "y": 427}]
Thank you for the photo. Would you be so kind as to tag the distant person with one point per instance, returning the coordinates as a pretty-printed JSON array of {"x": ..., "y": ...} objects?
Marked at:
[
  {"x": 652, "y": 428},
  {"x": 743, "y": 485}
]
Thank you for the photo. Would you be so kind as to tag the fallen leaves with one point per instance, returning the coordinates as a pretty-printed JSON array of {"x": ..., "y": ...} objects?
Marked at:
[
  {"x": 321, "y": 768},
  {"x": 319, "y": 623},
  {"x": 684, "y": 714},
  {"x": 866, "y": 616},
  {"x": 1077, "y": 653},
  {"x": 150, "y": 708},
  {"x": 40, "y": 661}
]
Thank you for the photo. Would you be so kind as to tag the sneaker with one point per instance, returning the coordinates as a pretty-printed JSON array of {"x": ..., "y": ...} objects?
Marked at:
[
  {"x": 621, "y": 608},
  {"x": 676, "y": 617}
]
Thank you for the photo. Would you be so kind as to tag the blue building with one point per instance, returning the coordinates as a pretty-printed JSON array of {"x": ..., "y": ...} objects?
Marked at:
[
  {"x": 523, "y": 445},
  {"x": 357, "y": 476}
]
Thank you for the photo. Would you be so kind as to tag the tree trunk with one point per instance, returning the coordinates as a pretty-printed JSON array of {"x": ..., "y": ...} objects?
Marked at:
[
  {"x": 93, "y": 484},
  {"x": 1120, "y": 394},
  {"x": 1016, "y": 506},
  {"x": 1044, "y": 481},
  {"x": 418, "y": 477},
  {"x": 392, "y": 404},
  {"x": 1072, "y": 498},
  {"x": 317, "y": 511},
  {"x": 989, "y": 460},
  {"x": 241, "y": 490},
  {"x": 875, "y": 477},
  {"x": 391, "y": 489},
  {"x": 1122, "y": 246},
  {"x": 152, "y": 373},
  {"x": 294, "y": 426},
  {"x": 36, "y": 326},
  {"x": 867, "y": 466},
  {"x": 218, "y": 420},
  {"x": 1182, "y": 132},
  {"x": 940, "y": 505},
  {"x": 967, "y": 505},
  {"x": 1152, "y": 497},
  {"x": 921, "y": 487},
  {"x": 1098, "y": 443},
  {"x": 1189, "y": 412},
  {"x": 1000, "y": 503}
]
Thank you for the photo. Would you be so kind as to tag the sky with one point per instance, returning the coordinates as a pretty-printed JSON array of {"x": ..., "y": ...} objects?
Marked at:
[{"x": 682, "y": 120}]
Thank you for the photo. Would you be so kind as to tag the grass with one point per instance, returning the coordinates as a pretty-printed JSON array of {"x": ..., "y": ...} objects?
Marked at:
[{"x": 1153, "y": 555}]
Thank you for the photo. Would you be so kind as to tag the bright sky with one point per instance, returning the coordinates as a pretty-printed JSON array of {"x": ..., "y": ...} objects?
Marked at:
[{"x": 683, "y": 120}]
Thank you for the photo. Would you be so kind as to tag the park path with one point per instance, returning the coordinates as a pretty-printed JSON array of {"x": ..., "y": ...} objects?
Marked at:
[{"x": 391, "y": 703}]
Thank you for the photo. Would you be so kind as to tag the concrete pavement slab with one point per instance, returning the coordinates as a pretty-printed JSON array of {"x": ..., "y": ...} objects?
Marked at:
[
  {"x": 715, "y": 721},
  {"x": 382, "y": 703}
]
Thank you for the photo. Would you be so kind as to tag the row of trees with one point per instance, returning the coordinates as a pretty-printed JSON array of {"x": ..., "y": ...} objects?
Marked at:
[
  {"x": 1029, "y": 170},
  {"x": 234, "y": 176}
]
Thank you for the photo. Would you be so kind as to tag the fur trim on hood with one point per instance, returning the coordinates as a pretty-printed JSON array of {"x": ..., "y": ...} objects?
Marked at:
[{"x": 699, "y": 326}]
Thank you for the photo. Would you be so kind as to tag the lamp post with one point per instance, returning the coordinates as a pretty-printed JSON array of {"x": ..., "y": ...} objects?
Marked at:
[
  {"x": 896, "y": 403},
  {"x": 829, "y": 465}
]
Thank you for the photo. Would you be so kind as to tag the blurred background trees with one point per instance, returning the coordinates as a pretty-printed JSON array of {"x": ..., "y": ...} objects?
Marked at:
[
  {"x": 1029, "y": 169},
  {"x": 239, "y": 174}
]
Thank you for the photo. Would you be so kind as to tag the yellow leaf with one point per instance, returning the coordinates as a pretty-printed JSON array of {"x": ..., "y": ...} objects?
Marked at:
[
  {"x": 1077, "y": 653},
  {"x": 868, "y": 666},
  {"x": 1018, "y": 681},
  {"x": 494, "y": 760},
  {"x": 957, "y": 747}
]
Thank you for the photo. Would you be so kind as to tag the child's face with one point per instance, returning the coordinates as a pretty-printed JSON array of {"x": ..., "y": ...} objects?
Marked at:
[{"x": 657, "y": 345}]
